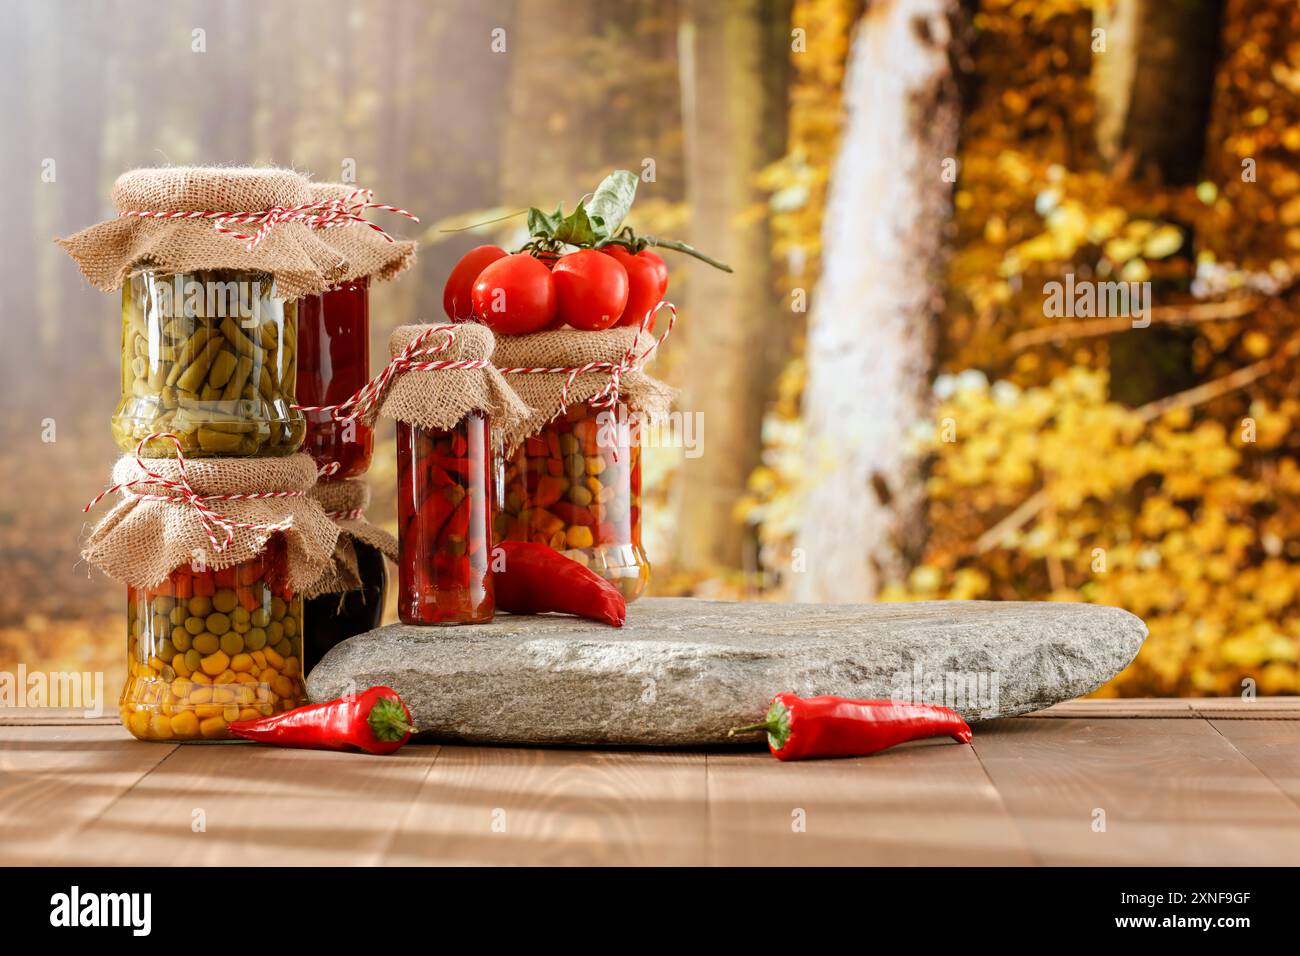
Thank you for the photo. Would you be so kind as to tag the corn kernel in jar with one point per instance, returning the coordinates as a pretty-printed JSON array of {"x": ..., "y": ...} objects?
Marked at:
[{"x": 195, "y": 694}]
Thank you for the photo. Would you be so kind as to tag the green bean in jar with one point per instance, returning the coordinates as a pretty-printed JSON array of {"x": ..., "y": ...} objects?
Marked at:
[{"x": 211, "y": 358}]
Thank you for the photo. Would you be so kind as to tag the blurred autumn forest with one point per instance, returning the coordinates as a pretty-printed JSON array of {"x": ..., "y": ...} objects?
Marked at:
[{"x": 890, "y": 410}]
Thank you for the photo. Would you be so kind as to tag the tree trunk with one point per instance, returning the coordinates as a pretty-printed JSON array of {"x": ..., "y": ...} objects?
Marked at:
[
  {"x": 725, "y": 55},
  {"x": 549, "y": 143},
  {"x": 1153, "y": 85},
  {"x": 80, "y": 64},
  {"x": 871, "y": 329}
]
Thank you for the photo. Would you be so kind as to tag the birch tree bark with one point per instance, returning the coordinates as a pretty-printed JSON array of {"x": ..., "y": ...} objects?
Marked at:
[{"x": 870, "y": 340}]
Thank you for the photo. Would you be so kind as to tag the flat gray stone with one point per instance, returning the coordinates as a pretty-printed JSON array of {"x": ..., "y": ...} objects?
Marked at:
[{"x": 682, "y": 671}]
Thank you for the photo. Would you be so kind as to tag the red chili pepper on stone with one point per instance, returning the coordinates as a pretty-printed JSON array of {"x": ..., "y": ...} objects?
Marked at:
[
  {"x": 839, "y": 727},
  {"x": 535, "y": 579},
  {"x": 374, "y": 722}
]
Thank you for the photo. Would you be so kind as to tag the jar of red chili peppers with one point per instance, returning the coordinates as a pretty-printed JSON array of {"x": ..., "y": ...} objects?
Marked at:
[
  {"x": 443, "y": 517},
  {"x": 214, "y": 580},
  {"x": 447, "y": 399},
  {"x": 334, "y": 332},
  {"x": 572, "y": 476}
]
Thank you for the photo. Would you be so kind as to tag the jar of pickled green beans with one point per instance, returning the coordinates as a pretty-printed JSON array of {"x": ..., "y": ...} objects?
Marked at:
[{"x": 209, "y": 357}]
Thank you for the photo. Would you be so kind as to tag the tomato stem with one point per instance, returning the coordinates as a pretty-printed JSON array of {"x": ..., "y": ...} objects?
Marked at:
[
  {"x": 485, "y": 222},
  {"x": 688, "y": 249}
]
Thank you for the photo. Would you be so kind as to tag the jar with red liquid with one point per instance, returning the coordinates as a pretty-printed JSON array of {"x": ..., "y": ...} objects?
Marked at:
[
  {"x": 207, "y": 647},
  {"x": 444, "y": 523},
  {"x": 576, "y": 486},
  {"x": 333, "y": 363}
]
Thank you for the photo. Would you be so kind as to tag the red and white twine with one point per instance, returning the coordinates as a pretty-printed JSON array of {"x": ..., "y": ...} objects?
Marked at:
[
  {"x": 413, "y": 358},
  {"x": 417, "y": 357},
  {"x": 322, "y": 214},
  {"x": 186, "y": 495},
  {"x": 607, "y": 397}
]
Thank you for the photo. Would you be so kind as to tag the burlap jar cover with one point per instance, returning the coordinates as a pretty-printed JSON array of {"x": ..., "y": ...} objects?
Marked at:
[
  {"x": 223, "y": 510},
  {"x": 368, "y": 251},
  {"x": 180, "y": 219},
  {"x": 438, "y": 374},
  {"x": 551, "y": 371},
  {"x": 345, "y": 502}
]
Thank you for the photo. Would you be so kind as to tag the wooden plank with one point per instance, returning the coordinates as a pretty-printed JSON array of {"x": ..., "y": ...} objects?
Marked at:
[
  {"x": 1272, "y": 746},
  {"x": 1259, "y": 708},
  {"x": 1248, "y": 708},
  {"x": 927, "y": 802},
  {"x": 54, "y": 717},
  {"x": 514, "y": 805},
  {"x": 1173, "y": 792},
  {"x": 1135, "y": 707},
  {"x": 53, "y": 780},
  {"x": 258, "y": 806}
]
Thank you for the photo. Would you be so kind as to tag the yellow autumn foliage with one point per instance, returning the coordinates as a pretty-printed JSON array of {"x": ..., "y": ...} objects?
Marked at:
[{"x": 1040, "y": 486}]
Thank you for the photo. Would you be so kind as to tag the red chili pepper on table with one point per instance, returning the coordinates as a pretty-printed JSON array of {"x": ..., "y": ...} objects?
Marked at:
[
  {"x": 839, "y": 727},
  {"x": 374, "y": 721},
  {"x": 535, "y": 579}
]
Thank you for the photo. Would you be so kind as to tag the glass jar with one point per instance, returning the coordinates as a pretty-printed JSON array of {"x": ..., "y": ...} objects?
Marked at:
[
  {"x": 576, "y": 486},
  {"x": 330, "y": 619},
  {"x": 209, "y": 357},
  {"x": 444, "y": 523},
  {"x": 333, "y": 364},
  {"x": 208, "y": 647}
]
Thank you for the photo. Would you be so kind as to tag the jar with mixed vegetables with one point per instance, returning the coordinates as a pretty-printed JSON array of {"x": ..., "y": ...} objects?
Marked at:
[
  {"x": 209, "y": 357},
  {"x": 576, "y": 486},
  {"x": 205, "y": 648}
]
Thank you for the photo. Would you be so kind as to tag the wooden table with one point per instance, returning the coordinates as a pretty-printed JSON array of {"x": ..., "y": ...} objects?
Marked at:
[{"x": 1089, "y": 782}]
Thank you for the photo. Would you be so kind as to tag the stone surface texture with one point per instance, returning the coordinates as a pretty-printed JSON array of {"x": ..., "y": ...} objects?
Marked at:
[{"x": 683, "y": 671}]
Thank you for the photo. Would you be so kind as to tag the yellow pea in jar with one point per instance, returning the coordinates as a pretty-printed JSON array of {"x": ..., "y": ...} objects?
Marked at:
[
  {"x": 205, "y": 648},
  {"x": 211, "y": 358}
]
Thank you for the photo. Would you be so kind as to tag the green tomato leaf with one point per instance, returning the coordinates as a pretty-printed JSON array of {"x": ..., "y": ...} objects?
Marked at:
[
  {"x": 611, "y": 201},
  {"x": 541, "y": 224},
  {"x": 576, "y": 228}
]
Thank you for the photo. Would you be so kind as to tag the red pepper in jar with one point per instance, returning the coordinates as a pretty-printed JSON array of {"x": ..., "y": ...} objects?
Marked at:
[
  {"x": 444, "y": 523},
  {"x": 374, "y": 722},
  {"x": 533, "y": 579},
  {"x": 839, "y": 727}
]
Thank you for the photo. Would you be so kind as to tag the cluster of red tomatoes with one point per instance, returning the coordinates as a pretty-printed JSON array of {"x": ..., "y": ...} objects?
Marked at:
[{"x": 589, "y": 289}]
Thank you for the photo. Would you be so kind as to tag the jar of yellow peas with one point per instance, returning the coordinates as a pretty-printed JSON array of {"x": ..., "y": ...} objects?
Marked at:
[{"x": 208, "y": 647}]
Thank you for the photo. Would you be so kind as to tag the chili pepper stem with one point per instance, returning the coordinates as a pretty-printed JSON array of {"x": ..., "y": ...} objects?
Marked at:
[
  {"x": 388, "y": 720},
  {"x": 770, "y": 726},
  {"x": 776, "y": 726}
]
